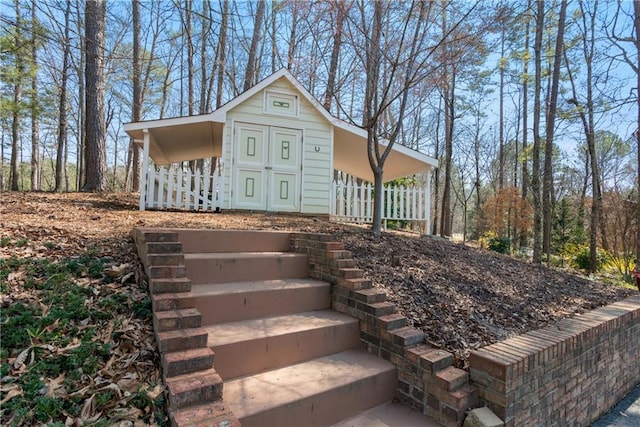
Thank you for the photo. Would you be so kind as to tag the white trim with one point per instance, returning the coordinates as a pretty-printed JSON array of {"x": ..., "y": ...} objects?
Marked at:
[
  {"x": 220, "y": 115},
  {"x": 268, "y": 109},
  {"x": 145, "y": 167}
]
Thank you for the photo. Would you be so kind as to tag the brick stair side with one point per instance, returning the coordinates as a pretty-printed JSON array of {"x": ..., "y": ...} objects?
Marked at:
[
  {"x": 427, "y": 379},
  {"x": 193, "y": 387}
]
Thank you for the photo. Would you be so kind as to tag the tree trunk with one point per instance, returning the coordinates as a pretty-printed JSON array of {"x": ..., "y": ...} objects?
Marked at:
[
  {"x": 503, "y": 65},
  {"x": 636, "y": 20},
  {"x": 190, "y": 68},
  {"x": 222, "y": 51},
  {"x": 525, "y": 119},
  {"x": 17, "y": 100},
  {"x": 535, "y": 179},
  {"x": 136, "y": 108},
  {"x": 292, "y": 36},
  {"x": 95, "y": 148},
  {"x": 335, "y": 54},
  {"x": 82, "y": 129},
  {"x": 449, "y": 118},
  {"x": 371, "y": 111},
  {"x": 250, "y": 72},
  {"x": 547, "y": 201},
  {"x": 62, "y": 105},
  {"x": 206, "y": 27},
  {"x": 35, "y": 107}
]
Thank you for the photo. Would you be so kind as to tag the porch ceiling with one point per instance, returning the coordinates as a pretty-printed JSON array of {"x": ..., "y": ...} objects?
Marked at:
[
  {"x": 350, "y": 156},
  {"x": 176, "y": 140}
]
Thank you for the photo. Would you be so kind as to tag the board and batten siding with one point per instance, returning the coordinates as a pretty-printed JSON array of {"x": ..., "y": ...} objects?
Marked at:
[{"x": 317, "y": 147}]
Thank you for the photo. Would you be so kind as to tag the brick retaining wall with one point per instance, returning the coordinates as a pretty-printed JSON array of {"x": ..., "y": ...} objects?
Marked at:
[
  {"x": 567, "y": 373},
  {"x": 427, "y": 379}
]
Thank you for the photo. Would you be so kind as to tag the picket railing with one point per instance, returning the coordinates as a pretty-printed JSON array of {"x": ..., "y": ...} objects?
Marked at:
[
  {"x": 175, "y": 187},
  {"x": 353, "y": 202}
]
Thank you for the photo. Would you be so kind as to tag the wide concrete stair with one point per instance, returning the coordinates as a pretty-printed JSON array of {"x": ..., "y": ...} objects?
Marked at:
[{"x": 246, "y": 337}]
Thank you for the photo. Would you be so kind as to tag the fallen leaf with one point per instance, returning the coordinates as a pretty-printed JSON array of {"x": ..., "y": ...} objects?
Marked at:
[
  {"x": 22, "y": 357},
  {"x": 17, "y": 391}
]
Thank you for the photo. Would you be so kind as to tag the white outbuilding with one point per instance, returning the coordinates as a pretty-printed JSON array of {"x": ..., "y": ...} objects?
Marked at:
[{"x": 274, "y": 148}]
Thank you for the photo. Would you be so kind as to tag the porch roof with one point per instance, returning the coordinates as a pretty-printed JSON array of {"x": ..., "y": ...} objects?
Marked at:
[{"x": 195, "y": 137}]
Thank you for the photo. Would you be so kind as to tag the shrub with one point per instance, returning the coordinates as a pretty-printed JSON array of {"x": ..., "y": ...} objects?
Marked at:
[
  {"x": 578, "y": 256},
  {"x": 492, "y": 241}
]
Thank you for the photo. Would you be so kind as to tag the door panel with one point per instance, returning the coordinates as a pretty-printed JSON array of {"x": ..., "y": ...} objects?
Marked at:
[
  {"x": 267, "y": 168},
  {"x": 285, "y": 150},
  {"x": 250, "y": 189},
  {"x": 250, "y": 178},
  {"x": 284, "y": 192}
]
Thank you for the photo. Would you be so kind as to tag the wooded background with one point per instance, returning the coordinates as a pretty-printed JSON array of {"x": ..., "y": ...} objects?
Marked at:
[{"x": 532, "y": 107}]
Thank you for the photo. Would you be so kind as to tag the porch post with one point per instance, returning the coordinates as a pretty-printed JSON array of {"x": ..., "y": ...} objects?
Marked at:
[
  {"x": 145, "y": 170},
  {"x": 427, "y": 202}
]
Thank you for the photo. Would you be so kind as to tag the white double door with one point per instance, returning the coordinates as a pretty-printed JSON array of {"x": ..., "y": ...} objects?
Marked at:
[{"x": 267, "y": 168}]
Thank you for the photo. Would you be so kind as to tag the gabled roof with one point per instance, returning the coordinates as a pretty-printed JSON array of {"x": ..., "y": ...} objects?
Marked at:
[{"x": 198, "y": 133}]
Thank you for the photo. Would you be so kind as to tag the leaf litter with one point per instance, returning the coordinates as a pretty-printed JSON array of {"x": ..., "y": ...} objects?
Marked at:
[{"x": 462, "y": 298}]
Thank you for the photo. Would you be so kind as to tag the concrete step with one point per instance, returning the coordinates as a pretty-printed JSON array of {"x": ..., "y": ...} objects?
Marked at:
[
  {"x": 389, "y": 414},
  {"x": 196, "y": 241},
  {"x": 210, "y": 268},
  {"x": 252, "y": 346},
  {"x": 194, "y": 388},
  {"x": 234, "y": 301},
  {"x": 318, "y": 392},
  {"x": 210, "y": 414}
]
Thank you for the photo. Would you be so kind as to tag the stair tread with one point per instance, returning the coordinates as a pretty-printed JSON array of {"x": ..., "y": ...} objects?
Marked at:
[
  {"x": 257, "y": 393},
  {"x": 254, "y": 285},
  {"x": 246, "y": 330},
  {"x": 237, "y": 255}
]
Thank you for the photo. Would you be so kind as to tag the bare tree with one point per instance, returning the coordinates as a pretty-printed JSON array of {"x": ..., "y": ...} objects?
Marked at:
[
  {"x": 222, "y": 50},
  {"x": 136, "y": 108},
  {"x": 95, "y": 146},
  {"x": 17, "y": 100},
  {"x": 550, "y": 124},
  {"x": 340, "y": 13},
  {"x": 35, "y": 104},
  {"x": 62, "y": 103},
  {"x": 535, "y": 179},
  {"x": 250, "y": 72}
]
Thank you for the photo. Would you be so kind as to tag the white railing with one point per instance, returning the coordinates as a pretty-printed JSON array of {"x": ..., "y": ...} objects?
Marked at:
[
  {"x": 353, "y": 202},
  {"x": 175, "y": 187}
]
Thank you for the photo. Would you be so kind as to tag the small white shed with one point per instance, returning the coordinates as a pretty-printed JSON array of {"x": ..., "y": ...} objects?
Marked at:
[{"x": 276, "y": 149}]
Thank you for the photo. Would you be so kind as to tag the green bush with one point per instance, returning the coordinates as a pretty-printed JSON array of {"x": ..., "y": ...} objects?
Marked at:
[
  {"x": 491, "y": 240},
  {"x": 578, "y": 256}
]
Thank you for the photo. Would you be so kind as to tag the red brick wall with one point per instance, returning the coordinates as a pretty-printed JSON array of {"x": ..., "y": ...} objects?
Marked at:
[
  {"x": 570, "y": 372},
  {"x": 427, "y": 381}
]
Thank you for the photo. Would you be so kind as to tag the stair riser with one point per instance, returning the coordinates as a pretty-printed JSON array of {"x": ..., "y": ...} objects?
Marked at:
[
  {"x": 172, "y": 368},
  {"x": 208, "y": 393},
  {"x": 216, "y": 309},
  {"x": 329, "y": 407},
  {"x": 163, "y": 286},
  {"x": 250, "y": 357},
  {"x": 177, "y": 301},
  {"x": 225, "y": 270},
  {"x": 233, "y": 241},
  {"x": 185, "y": 339},
  {"x": 178, "y": 322}
]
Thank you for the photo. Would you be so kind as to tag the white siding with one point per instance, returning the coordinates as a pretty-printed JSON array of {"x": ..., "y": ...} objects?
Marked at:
[{"x": 316, "y": 151}]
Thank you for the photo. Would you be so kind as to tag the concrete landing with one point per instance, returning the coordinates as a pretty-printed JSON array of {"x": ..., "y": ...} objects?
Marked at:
[
  {"x": 390, "y": 414},
  {"x": 319, "y": 392},
  {"x": 625, "y": 414}
]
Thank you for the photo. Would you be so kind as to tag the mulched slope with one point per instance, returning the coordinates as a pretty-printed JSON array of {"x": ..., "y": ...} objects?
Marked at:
[{"x": 464, "y": 298}]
